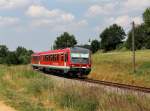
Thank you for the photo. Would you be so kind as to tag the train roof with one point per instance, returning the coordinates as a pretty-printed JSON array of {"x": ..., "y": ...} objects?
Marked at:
[
  {"x": 73, "y": 49},
  {"x": 79, "y": 49}
]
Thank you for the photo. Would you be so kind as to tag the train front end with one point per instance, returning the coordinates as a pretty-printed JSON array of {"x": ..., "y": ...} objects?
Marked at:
[{"x": 80, "y": 61}]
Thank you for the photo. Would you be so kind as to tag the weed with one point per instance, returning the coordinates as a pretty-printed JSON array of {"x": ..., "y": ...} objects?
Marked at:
[{"x": 27, "y": 90}]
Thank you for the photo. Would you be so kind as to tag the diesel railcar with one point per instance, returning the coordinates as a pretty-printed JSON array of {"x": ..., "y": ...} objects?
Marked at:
[{"x": 69, "y": 61}]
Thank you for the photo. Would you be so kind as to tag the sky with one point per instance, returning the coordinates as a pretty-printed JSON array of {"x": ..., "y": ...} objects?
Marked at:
[{"x": 35, "y": 24}]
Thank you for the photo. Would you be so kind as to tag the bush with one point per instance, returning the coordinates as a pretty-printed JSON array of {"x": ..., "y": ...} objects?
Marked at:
[
  {"x": 77, "y": 100},
  {"x": 20, "y": 56}
]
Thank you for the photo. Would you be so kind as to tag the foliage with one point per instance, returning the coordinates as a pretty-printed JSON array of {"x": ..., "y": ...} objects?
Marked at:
[
  {"x": 95, "y": 45},
  {"x": 142, "y": 33},
  {"x": 65, "y": 40},
  {"x": 20, "y": 56},
  {"x": 11, "y": 58},
  {"x": 140, "y": 37},
  {"x": 3, "y": 53},
  {"x": 111, "y": 37},
  {"x": 23, "y": 55},
  {"x": 146, "y": 17}
]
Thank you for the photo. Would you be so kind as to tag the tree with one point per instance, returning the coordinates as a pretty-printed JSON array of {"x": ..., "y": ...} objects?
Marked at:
[
  {"x": 3, "y": 53},
  {"x": 11, "y": 58},
  {"x": 20, "y": 56},
  {"x": 146, "y": 18},
  {"x": 95, "y": 45},
  {"x": 140, "y": 37},
  {"x": 65, "y": 40},
  {"x": 21, "y": 51},
  {"x": 23, "y": 55},
  {"x": 111, "y": 37}
]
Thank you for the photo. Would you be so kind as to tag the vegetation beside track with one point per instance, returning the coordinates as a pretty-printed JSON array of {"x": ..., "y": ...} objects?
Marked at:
[
  {"x": 27, "y": 90},
  {"x": 117, "y": 67}
]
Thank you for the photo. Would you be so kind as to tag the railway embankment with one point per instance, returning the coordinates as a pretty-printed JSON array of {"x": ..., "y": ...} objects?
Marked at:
[
  {"x": 25, "y": 89},
  {"x": 117, "y": 67}
]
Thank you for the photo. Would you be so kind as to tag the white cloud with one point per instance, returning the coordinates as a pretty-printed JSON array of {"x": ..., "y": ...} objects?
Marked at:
[
  {"x": 136, "y": 4},
  {"x": 137, "y": 20},
  {"x": 95, "y": 10},
  {"x": 37, "y": 11},
  {"x": 124, "y": 21},
  {"x": 59, "y": 26},
  {"x": 9, "y": 4},
  {"x": 55, "y": 19},
  {"x": 8, "y": 21},
  {"x": 83, "y": 1},
  {"x": 72, "y": 27}
]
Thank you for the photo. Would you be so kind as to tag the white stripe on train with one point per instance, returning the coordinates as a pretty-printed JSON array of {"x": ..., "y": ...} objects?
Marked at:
[{"x": 51, "y": 66}]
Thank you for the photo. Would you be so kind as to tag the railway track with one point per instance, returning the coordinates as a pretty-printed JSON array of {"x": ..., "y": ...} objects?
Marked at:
[
  {"x": 117, "y": 85},
  {"x": 111, "y": 84}
]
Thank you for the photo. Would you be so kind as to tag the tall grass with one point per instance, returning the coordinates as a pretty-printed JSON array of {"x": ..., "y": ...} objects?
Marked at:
[
  {"x": 117, "y": 67},
  {"x": 27, "y": 90}
]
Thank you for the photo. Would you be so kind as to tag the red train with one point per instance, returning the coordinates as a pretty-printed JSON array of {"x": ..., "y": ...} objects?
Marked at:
[{"x": 72, "y": 61}]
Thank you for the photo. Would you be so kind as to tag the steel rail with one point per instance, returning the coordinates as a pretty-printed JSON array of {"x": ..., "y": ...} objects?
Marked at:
[
  {"x": 117, "y": 85},
  {"x": 111, "y": 84}
]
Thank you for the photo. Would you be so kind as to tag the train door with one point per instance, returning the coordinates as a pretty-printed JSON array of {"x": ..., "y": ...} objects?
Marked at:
[
  {"x": 66, "y": 58},
  {"x": 62, "y": 59}
]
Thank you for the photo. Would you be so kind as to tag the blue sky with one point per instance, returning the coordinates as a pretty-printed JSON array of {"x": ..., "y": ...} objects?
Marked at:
[{"x": 35, "y": 24}]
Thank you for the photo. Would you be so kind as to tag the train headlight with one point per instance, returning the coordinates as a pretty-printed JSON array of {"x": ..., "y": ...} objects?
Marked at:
[{"x": 72, "y": 65}]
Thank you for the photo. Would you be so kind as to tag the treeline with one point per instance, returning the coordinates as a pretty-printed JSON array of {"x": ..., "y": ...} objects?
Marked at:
[
  {"x": 113, "y": 37},
  {"x": 20, "y": 56}
]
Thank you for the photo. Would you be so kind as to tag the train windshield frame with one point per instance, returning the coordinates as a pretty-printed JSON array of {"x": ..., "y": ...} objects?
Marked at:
[{"x": 80, "y": 56}]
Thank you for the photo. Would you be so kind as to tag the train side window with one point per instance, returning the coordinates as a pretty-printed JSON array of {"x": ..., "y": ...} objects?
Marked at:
[
  {"x": 53, "y": 57},
  {"x": 57, "y": 57},
  {"x": 62, "y": 57},
  {"x": 46, "y": 57},
  {"x": 66, "y": 57},
  {"x": 43, "y": 58},
  {"x": 49, "y": 58}
]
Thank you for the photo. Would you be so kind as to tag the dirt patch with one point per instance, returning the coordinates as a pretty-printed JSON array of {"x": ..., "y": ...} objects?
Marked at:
[{"x": 4, "y": 107}]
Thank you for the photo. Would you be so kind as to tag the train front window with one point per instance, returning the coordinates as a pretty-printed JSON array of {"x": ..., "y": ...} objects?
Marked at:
[
  {"x": 80, "y": 55},
  {"x": 79, "y": 58}
]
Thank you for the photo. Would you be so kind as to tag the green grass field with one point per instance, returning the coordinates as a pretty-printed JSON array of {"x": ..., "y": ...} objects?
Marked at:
[
  {"x": 117, "y": 67},
  {"x": 27, "y": 90}
]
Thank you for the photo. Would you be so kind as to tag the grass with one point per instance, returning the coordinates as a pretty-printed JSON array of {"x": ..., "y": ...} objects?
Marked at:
[
  {"x": 117, "y": 67},
  {"x": 26, "y": 90}
]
